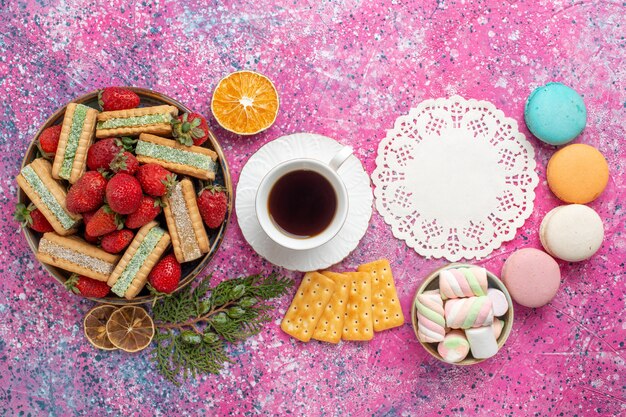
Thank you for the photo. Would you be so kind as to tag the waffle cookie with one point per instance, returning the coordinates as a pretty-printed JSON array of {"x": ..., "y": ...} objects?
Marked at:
[
  {"x": 156, "y": 120},
  {"x": 184, "y": 223},
  {"x": 195, "y": 161},
  {"x": 75, "y": 255},
  {"x": 76, "y": 137},
  {"x": 48, "y": 195},
  {"x": 131, "y": 273}
]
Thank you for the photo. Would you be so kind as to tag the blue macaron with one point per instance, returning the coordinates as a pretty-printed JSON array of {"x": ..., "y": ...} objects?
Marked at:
[{"x": 555, "y": 113}]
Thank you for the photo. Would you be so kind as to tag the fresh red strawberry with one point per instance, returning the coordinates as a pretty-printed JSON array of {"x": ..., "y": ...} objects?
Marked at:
[
  {"x": 165, "y": 276},
  {"x": 103, "y": 222},
  {"x": 88, "y": 215},
  {"x": 155, "y": 180},
  {"x": 117, "y": 98},
  {"x": 86, "y": 218},
  {"x": 31, "y": 217},
  {"x": 117, "y": 241},
  {"x": 124, "y": 162},
  {"x": 87, "y": 287},
  {"x": 40, "y": 223},
  {"x": 123, "y": 193},
  {"x": 87, "y": 194},
  {"x": 101, "y": 153},
  {"x": 190, "y": 129},
  {"x": 147, "y": 211},
  {"x": 49, "y": 139},
  {"x": 213, "y": 204},
  {"x": 91, "y": 239}
]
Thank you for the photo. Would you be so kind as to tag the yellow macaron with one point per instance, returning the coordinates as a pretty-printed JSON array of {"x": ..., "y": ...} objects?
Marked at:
[{"x": 577, "y": 173}]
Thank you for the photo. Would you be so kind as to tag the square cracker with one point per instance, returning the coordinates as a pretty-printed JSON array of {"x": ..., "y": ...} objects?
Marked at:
[
  {"x": 330, "y": 325},
  {"x": 358, "y": 323},
  {"x": 307, "y": 306},
  {"x": 386, "y": 309}
]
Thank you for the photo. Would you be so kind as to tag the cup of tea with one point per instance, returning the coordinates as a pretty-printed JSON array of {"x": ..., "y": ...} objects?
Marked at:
[{"x": 302, "y": 203}]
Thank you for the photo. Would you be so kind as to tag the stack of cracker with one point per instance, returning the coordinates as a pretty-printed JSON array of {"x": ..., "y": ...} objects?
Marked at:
[{"x": 331, "y": 306}]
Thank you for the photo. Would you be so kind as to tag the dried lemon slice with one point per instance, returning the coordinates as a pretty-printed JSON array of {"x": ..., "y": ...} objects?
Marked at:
[
  {"x": 94, "y": 325},
  {"x": 130, "y": 329},
  {"x": 245, "y": 102}
]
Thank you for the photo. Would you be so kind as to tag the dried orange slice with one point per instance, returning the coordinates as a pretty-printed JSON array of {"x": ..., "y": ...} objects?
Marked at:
[
  {"x": 245, "y": 102},
  {"x": 95, "y": 323},
  {"x": 130, "y": 329}
]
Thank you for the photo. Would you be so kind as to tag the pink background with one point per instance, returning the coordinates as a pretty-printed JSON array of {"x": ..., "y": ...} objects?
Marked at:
[{"x": 347, "y": 70}]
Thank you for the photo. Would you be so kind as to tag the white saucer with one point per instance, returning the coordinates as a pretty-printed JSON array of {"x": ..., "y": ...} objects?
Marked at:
[{"x": 308, "y": 145}]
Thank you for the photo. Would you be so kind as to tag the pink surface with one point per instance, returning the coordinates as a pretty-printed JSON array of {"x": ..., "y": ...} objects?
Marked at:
[{"x": 346, "y": 70}]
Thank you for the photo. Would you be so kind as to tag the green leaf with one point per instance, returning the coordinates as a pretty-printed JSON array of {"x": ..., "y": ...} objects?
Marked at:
[
  {"x": 105, "y": 173},
  {"x": 270, "y": 287},
  {"x": 177, "y": 308},
  {"x": 204, "y": 307},
  {"x": 220, "y": 319},
  {"x": 227, "y": 291},
  {"x": 162, "y": 355},
  {"x": 71, "y": 282},
  {"x": 178, "y": 360},
  {"x": 22, "y": 214},
  {"x": 158, "y": 202},
  {"x": 191, "y": 337},
  {"x": 236, "y": 312},
  {"x": 210, "y": 337},
  {"x": 169, "y": 182},
  {"x": 197, "y": 133},
  {"x": 228, "y": 329},
  {"x": 199, "y": 293},
  {"x": 119, "y": 163},
  {"x": 238, "y": 291},
  {"x": 194, "y": 324},
  {"x": 248, "y": 302},
  {"x": 127, "y": 143}
]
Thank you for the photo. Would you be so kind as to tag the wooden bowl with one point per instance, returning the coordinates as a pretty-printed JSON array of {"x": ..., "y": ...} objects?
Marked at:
[
  {"x": 432, "y": 283},
  {"x": 189, "y": 269}
]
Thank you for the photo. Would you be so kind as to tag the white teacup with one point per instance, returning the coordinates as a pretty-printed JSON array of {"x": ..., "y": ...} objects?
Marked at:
[{"x": 329, "y": 172}]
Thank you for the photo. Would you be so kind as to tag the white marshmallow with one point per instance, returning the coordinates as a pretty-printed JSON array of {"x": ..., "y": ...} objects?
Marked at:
[
  {"x": 498, "y": 326},
  {"x": 498, "y": 299},
  {"x": 482, "y": 342}
]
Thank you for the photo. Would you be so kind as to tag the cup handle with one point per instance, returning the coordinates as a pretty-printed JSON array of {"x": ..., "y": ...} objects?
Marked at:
[{"x": 340, "y": 157}]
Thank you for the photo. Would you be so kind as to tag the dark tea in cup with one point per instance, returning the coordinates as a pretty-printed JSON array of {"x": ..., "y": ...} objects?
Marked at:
[{"x": 302, "y": 203}]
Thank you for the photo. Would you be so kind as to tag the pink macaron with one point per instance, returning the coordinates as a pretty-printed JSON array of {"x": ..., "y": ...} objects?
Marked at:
[{"x": 532, "y": 277}]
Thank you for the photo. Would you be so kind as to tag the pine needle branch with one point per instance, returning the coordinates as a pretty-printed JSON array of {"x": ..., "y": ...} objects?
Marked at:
[{"x": 195, "y": 325}]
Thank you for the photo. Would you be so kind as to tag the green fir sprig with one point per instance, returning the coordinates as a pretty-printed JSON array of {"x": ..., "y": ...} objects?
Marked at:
[{"x": 194, "y": 325}]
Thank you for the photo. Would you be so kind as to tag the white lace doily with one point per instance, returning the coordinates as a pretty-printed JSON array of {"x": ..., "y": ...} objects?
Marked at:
[{"x": 455, "y": 178}]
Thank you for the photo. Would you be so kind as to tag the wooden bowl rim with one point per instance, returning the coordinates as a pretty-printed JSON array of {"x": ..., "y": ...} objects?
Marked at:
[
  {"x": 491, "y": 277},
  {"x": 32, "y": 239}
]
